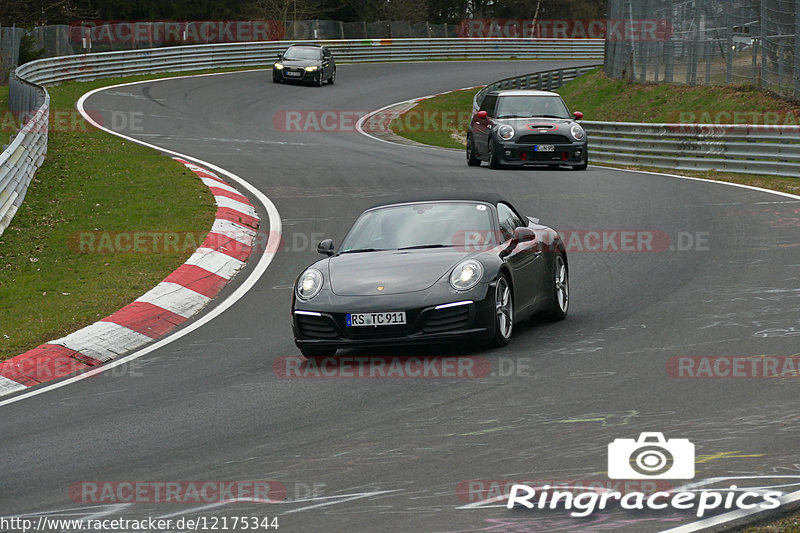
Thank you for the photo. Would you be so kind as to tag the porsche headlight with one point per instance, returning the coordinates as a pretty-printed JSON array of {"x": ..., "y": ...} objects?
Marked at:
[
  {"x": 466, "y": 275},
  {"x": 505, "y": 132},
  {"x": 309, "y": 284},
  {"x": 278, "y": 66},
  {"x": 577, "y": 132},
  {"x": 312, "y": 68}
]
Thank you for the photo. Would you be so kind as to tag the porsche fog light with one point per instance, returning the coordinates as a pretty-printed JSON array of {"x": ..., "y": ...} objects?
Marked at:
[
  {"x": 309, "y": 284},
  {"x": 466, "y": 275}
]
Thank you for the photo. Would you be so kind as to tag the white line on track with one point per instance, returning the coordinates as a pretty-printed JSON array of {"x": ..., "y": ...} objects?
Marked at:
[{"x": 275, "y": 234}]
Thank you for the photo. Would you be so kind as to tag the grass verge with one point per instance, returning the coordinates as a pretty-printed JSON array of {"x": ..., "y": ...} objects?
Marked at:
[
  {"x": 604, "y": 99},
  {"x": 90, "y": 181}
]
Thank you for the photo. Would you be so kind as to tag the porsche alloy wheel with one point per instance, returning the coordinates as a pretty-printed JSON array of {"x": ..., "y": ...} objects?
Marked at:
[
  {"x": 560, "y": 288},
  {"x": 504, "y": 312}
]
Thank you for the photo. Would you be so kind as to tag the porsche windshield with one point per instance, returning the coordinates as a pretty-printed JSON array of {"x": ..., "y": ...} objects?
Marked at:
[
  {"x": 530, "y": 106},
  {"x": 302, "y": 52},
  {"x": 421, "y": 225}
]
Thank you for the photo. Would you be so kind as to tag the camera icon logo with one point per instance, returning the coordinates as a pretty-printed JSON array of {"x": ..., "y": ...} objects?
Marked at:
[{"x": 651, "y": 457}]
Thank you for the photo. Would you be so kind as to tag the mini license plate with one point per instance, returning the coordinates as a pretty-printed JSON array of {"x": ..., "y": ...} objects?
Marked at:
[
  {"x": 544, "y": 148},
  {"x": 294, "y": 74},
  {"x": 376, "y": 319}
]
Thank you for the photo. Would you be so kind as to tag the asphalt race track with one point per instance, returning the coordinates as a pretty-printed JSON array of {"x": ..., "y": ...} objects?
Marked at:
[{"x": 392, "y": 454}]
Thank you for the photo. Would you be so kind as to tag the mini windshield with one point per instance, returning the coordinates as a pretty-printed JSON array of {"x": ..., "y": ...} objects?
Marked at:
[
  {"x": 531, "y": 106},
  {"x": 302, "y": 52},
  {"x": 421, "y": 225}
]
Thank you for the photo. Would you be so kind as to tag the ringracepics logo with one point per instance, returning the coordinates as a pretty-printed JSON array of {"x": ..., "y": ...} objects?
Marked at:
[{"x": 649, "y": 457}]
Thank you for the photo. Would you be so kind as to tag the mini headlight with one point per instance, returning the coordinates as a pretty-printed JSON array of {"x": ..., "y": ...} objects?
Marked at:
[
  {"x": 577, "y": 132},
  {"x": 505, "y": 132},
  {"x": 466, "y": 275},
  {"x": 312, "y": 68},
  {"x": 309, "y": 284},
  {"x": 279, "y": 66}
]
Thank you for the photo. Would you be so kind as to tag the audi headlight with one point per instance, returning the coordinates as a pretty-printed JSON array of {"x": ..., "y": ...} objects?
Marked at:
[
  {"x": 309, "y": 284},
  {"x": 577, "y": 132},
  {"x": 278, "y": 66},
  {"x": 312, "y": 68},
  {"x": 505, "y": 132},
  {"x": 466, "y": 275}
]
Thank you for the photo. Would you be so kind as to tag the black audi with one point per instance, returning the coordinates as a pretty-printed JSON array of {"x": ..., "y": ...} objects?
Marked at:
[
  {"x": 305, "y": 63},
  {"x": 526, "y": 128},
  {"x": 431, "y": 270}
]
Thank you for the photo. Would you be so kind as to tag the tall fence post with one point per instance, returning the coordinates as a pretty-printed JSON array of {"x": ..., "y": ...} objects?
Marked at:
[
  {"x": 763, "y": 75},
  {"x": 796, "y": 70}
]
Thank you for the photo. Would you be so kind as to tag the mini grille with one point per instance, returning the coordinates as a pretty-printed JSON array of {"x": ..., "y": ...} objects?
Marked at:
[{"x": 545, "y": 138}]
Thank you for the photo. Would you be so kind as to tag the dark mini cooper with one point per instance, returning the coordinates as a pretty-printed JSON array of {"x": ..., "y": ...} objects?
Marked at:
[
  {"x": 305, "y": 63},
  {"x": 520, "y": 127},
  {"x": 464, "y": 268}
]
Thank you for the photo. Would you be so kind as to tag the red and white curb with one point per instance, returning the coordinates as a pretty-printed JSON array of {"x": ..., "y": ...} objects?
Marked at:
[{"x": 157, "y": 312}]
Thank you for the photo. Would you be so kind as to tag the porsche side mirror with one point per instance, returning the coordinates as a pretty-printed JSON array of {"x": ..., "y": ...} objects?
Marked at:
[
  {"x": 326, "y": 247},
  {"x": 521, "y": 234},
  {"x": 578, "y": 115},
  {"x": 482, "y": 114}
]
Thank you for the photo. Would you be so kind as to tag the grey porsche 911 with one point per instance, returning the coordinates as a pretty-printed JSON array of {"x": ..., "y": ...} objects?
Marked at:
[{"x": 428, "y": 271}]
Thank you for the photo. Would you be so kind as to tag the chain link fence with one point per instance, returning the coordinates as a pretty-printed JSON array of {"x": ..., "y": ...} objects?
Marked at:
[
  {"x": 707, "y": 42},
  {"x": 92, "y": 37}
]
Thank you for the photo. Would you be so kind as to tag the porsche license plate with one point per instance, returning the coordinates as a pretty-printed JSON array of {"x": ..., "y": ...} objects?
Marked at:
[
  {"x": 544, "y": 148},
  {"x": 376, "y": 319}
]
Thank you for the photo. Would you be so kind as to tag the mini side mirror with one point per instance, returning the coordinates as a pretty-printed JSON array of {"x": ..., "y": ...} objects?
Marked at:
[
  {"x": 325, "y": 247},
  {"x": 482, "y": 114},
  {"x": 578, "y": 115}
]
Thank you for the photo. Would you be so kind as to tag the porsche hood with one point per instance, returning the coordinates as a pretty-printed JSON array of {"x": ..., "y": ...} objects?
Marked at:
[{"x": 390, "y": 271}]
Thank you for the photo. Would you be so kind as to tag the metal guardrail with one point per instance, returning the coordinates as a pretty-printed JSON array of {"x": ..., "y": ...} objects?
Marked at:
[
  {"x": 260, "y": 54},
  {"x": 547, "y": 80},
  {"x": 738, "y": 148},
  {"x": 26, "y": 152}
]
